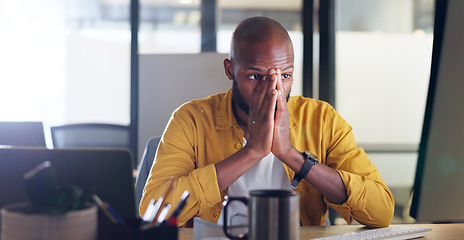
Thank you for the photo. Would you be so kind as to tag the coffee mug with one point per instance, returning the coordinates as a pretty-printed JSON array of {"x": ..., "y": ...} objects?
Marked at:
[{"x": 272, "y": 214}]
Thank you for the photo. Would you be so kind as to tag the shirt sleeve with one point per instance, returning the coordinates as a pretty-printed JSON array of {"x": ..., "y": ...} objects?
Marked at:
[
  {"x": 176, "y": 157},
  {"x": 369, "y": 202}
]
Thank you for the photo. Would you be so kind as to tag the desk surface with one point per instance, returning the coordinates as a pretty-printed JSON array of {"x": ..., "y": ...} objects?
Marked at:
[{"x": 439, "y": 231}]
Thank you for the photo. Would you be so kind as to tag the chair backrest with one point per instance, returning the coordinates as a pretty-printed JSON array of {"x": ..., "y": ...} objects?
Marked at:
[
  {"x": 145, "y": 166},
  {"x": 90, "y": 135},
  {"x": 29, "y": 134}
]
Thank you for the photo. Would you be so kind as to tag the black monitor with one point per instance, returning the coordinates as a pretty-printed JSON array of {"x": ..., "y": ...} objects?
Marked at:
[{"x": 438, "y": 193}]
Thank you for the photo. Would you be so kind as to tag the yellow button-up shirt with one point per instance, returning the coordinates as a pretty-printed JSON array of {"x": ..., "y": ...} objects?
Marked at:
[{"x": 203, "y": 132}]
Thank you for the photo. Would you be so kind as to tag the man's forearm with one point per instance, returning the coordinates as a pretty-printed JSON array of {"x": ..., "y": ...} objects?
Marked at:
[
  {"x": 231, "y": 168},
  {"x": 325, "y": 179},
  {"x": 370, "y": 202}
]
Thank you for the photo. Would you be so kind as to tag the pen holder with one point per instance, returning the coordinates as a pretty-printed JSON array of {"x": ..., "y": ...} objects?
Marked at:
[
  {"x": 159, "y": 233},
  {"x": 131, "y": 230}
]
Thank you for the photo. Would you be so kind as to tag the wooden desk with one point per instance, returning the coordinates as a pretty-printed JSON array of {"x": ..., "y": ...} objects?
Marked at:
[{"x": 439, "y": 231}]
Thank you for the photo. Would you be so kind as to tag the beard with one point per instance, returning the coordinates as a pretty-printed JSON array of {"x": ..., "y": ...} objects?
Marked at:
[{"x": 238, "y": 98}]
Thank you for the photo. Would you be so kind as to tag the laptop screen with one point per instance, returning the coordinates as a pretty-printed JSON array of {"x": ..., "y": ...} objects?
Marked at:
[{"x": 105, "y": 172}]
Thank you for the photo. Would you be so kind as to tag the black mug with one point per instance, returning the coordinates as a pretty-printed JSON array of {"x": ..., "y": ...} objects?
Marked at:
[{"x": 272, "y": 215}]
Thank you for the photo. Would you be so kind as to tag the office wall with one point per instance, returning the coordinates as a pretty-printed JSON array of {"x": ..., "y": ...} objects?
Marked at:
[
  {"x": 382, "y": 81},
  {"x": 166, "y": 81},
  {"x": 97, "y": 77}
]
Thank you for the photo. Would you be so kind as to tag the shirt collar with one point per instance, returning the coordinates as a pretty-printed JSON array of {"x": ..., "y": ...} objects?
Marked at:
[{"x": 226, "y": 117}]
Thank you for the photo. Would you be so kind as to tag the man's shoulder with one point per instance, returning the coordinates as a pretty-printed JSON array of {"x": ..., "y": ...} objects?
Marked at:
[
  {"x": 211, "y": 99},
  {"x": 299, "y": 103},
  {"x": 304, "y": 109},
  {"x": 208, "y": 103}
]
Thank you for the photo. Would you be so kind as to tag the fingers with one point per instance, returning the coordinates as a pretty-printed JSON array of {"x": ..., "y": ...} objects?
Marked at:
[
  {"x": 279, "y": 84},
  {"x": 270, "y": 100},
  {"x": 260, "y": 127},
  {"x": 281, "y": 140},
  {"x": 272, "y": 74},
  {"x": 264, "y": 98},
  {"x": 281, "y": 114},
  {"x": 268, "y": 116},
  {"x": 260, "y": 92}
]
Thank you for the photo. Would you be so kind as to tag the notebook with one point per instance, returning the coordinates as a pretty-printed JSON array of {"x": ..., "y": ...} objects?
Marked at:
[{"x": 108, "y": 172}]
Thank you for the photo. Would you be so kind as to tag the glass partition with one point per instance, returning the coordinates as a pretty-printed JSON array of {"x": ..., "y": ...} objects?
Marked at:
[
  {"x": 65, "y": 61},
  {"x": 383, "y": 58}
]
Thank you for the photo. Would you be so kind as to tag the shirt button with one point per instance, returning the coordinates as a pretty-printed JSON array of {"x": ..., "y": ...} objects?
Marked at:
[
  {"x": 238, "y": 145},
  {"x": 216, "y": 214}
]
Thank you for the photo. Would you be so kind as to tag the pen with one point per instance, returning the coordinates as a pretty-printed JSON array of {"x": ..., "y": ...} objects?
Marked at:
[
  {"x": 162, "y": 200},
  {"x": 172, "y": 220},
  {"x": 149, "y": 212},
  {"x": 163, "y": 214},
  {"x": 157, "y": 222},
  {"x": 108, "y": 210},
  {"x": 156, "y": 209}
]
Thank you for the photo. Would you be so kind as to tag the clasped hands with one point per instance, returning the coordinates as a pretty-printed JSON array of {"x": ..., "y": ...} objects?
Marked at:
[{"x": 268, "y": 119}]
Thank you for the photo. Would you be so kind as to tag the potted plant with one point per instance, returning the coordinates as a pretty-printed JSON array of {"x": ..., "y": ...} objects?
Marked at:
[{"x": 53, "y": 211}]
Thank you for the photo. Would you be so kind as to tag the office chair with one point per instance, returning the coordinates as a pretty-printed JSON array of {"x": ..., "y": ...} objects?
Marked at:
[
  {"x": 90, "y": 135},
  {"x": 145, "y": 167},
  {"x": 26, "y": 134}
]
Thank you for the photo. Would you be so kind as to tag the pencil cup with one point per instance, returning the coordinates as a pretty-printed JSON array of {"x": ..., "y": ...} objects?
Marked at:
[
  {"x": 130, "y": 230},
  {"x": 74, "y": 225},
  {"x": 160, "y": 233}
]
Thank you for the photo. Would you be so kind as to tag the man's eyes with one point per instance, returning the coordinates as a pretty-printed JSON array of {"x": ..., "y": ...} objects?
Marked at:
[
  {"x": 255, "y": 77},
  {"x": 286, "y": 76},
  {"x": 259, "y": 77}
]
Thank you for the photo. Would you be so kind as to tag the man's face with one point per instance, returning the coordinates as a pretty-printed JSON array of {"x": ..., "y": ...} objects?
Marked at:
[{"x": 253, "y": 63}]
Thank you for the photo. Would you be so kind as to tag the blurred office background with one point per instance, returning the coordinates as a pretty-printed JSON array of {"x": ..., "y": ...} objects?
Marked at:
[{"x": 69, "y": 61}]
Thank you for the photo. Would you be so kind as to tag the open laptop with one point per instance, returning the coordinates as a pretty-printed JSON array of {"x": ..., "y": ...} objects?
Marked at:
[
  {"x": 108, "y": 172},
  {"x": 22, "y": 134}
]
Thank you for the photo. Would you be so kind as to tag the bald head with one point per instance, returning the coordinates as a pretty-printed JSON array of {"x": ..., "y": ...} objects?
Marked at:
[{"x": 258, "y": 32}]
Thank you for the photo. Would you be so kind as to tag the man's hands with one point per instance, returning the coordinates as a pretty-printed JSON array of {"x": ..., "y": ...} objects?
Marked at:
[
  {"x": 268, "y": 120},
  {"x": 281, "y": 144},
  {"x": 266, "y": 130},
  {"x": 260, "y": 125}
]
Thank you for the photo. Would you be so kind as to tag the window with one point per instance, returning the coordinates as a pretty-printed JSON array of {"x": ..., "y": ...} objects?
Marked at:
[
  {"x": 65, "y": 61},
  {"x": 383, "y": 58}
]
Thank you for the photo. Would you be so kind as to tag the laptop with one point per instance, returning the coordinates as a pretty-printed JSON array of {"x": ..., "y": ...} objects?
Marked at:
[
  {"x": 105, "y": 172},
  {"x": 22, "y": 134}
]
